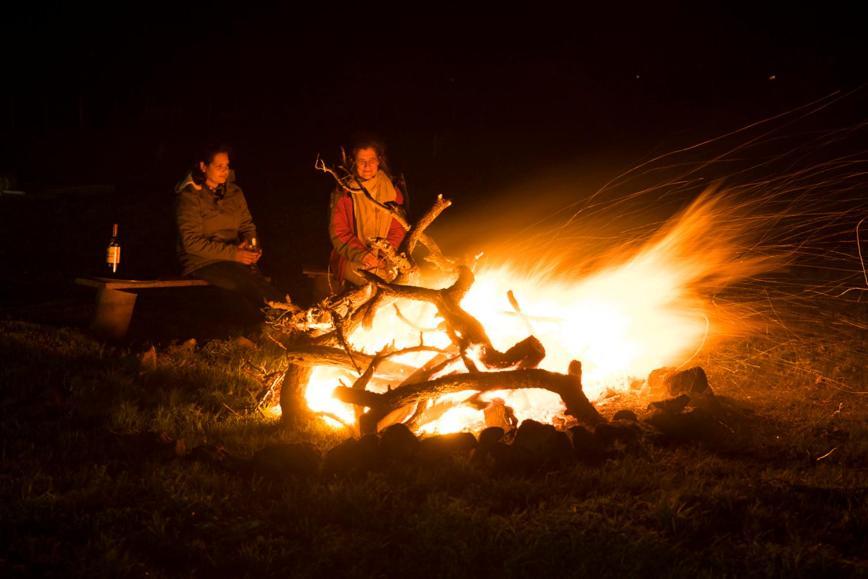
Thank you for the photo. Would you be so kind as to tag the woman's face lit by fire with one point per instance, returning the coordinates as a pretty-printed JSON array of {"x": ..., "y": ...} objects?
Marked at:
[
  {"x": 217, "y": 171},
  {"x": 367, "y": 163}
]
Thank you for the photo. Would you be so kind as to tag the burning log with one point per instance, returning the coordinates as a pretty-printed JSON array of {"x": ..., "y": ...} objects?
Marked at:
[
  {"x": 308, "y": 347},
  {"x": 405, "y": 255},
  {"x": 292, "y": 403},
  {"x": 321, "y": 336},
  {"x": 417, "y": 234},
  {"x": 464, "y": 330},
  {"x": 567, "y": 386},
  {"x": 434, "y": 366}
]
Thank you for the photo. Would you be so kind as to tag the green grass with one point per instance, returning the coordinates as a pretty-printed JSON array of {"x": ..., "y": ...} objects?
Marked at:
[{"x": 92, "y": 483}]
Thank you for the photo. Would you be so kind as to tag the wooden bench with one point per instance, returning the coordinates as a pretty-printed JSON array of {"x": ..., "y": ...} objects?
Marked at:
[{"x": 116, "y": 299}]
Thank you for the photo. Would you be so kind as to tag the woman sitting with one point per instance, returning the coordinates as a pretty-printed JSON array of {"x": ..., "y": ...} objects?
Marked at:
[
  {"x": 356, "y": 220},
  {"x": 216, "y": 234}
]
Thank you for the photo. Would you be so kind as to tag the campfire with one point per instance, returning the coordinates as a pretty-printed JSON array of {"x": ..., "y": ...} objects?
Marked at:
[{"x": 461, "y": 346}]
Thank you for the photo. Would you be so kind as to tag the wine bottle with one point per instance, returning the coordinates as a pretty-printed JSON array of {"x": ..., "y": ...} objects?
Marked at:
[{"x": 113, "y": 252}]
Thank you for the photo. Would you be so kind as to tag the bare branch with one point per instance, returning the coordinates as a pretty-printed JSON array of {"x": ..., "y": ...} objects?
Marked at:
[
  {"x": 339, "y": 332},
  {"x": 313, "y": 355},
  {"x": 336, "y": 418},
  {"x": 432, "y": 367},
  {"x": 320, "y": 165},
  {"x": 418, "y": 230},
  {"x": 463, "y": 329},
  {"x": 269, "y": 394},
  {"x": 275, "y": 340},
  {"x": 567, "y": 386},
  {"x": 435, "y": 255},
  {"x": 404, "y": 319}
]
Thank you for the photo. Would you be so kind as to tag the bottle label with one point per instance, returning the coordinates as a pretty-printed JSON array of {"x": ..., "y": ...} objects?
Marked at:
[{"x": 113, "y": 255}]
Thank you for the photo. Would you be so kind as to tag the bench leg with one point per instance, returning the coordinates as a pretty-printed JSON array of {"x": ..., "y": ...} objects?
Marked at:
[{"x": 114, "y": 310}]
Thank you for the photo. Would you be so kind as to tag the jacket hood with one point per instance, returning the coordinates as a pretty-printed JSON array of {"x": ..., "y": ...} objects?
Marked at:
[
  {"x": 188, "y": 180},
  {"x": 182, "y": 184}
]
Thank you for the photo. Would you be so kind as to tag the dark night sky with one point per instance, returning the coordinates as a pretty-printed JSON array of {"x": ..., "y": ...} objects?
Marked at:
[
  {"x": 288, "y": 83},
  {"x": 466, "y": 101}
]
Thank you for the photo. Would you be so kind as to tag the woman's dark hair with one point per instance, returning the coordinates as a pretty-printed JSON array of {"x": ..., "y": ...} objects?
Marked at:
[
  {"x": 369, "y": 142},
  {"x": 205, "y": 155}
]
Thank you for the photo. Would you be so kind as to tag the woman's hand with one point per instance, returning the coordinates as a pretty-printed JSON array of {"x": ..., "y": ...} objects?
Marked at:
[
  {"x": 246, "y": 256},
  {"x": 370, "y": 261}
]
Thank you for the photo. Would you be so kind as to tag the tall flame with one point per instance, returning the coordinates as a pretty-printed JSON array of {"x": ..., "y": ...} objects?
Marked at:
[{"x": 639, "y": 310}]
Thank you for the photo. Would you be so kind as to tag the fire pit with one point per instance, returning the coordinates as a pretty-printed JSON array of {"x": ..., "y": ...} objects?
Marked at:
[{"x": 468, "y": 346}]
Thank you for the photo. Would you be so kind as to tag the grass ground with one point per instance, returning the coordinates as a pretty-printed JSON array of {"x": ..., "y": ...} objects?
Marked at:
[{"x": 96, "y": 479}]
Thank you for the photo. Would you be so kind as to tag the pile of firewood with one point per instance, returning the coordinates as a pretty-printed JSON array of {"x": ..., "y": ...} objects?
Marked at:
[{"x": 319, "y": 335}]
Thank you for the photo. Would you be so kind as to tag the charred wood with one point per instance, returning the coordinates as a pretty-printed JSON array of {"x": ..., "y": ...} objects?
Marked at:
[
  {"x": 463, "y": 329},
  {"x": 567, "y": 386},
  {"x": 293, "y": 406}
]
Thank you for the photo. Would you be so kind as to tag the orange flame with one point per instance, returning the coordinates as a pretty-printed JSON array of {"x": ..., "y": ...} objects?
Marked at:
[{"x": 641, "y": 310}]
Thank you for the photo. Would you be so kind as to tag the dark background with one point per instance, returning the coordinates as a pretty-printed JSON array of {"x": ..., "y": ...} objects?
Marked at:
[{"x": 102, "y": 108}]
